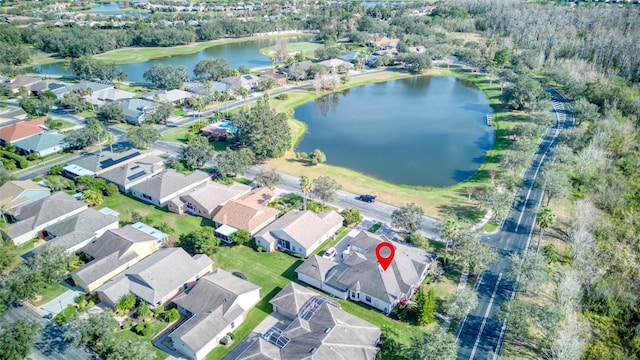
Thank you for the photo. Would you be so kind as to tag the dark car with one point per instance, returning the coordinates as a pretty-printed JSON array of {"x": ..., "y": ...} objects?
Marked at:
[
  {"x": 215, "y": 172},
  {"x": 367, "y": 198}
]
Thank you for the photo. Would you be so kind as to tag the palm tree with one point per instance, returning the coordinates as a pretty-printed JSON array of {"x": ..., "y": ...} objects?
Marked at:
[
  {"x": 450, "y": 231},
  {"x": 545, "y": 218},
  {"x": 306, "y": 185}
]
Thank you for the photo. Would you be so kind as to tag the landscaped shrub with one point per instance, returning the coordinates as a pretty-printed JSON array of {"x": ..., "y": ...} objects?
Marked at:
[
  {"x": 125, "y": 326},
  {"x": 56, "y": 170},
  {"x": 111, "y": 189},
  {"x": 22, "y": 161},
  {"x": 171, "y": 315},
  {"x": 33, "y": 156},
  {"x": 351, "y": 216},
  {"x": 140, "y": 328},
  {"x": 282, "y": 97},
  {"x": 230, "y": 335},
  {"x": 144, "y": 311},
  {"x": 158, "y": 310},
  {"x": 146, "y": 330},
  {"x": 224, "y": 341},
  {"x": 8, "y": 164},
  {"x": 260, "y": 249}
]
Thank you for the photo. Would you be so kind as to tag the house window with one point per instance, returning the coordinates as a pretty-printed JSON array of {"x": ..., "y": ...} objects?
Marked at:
[
  {"x": 233, "y": 324},
  {"x": 284, "y": 244},
  {"x": 367, "y": 298},
  {"x": 197, "y": 277},
  {"x": 146, "y": 197},
  {"x": 185, "y": 286}
]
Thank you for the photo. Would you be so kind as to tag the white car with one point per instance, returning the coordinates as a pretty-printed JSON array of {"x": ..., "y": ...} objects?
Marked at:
[{"x": 330, "y": 253}]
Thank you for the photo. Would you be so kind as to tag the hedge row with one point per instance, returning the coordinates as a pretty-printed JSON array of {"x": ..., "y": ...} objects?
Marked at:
[{"x": 23, "y": 163}]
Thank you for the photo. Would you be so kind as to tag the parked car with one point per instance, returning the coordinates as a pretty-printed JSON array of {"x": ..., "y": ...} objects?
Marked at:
[
  {"x": 215, "y": 172},
  {"x": 330, "y": 253},
  {"x": 367, "y": 198}
]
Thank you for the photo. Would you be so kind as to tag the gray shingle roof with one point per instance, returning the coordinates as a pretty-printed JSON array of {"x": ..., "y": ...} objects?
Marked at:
[
  {"x": 110, "y": 251},
  {"x": 96, "y": 162},
  {"x": 305, "y": 227},
  {"x": 292, "y": 297},
  {"x": 362, "y": 272},
  {"x": 168, "y": 182},
  {"x": 43, "y": 211},
  {"x": 42, "y": 141},
  {"x": 79, "y": 228},
  {"x": 127, "y": 173},
  {"x": 134, "y": 108},
  {"x": 214, "y": 194},
  {"x": 328, "y": 333},
  {"x": 213, "y": 302},
  {"x": 156, "y": 276}
]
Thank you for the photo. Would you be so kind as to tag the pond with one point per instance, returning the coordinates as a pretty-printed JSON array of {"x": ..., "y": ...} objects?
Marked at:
[
  {"x": 422, "y": 131},
  {"x": 236, "y": 53},
  {"x": 105, "y": 7}
]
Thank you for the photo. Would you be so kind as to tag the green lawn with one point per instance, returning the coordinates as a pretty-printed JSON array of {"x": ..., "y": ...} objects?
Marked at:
[
  {"x": 49, "y": 293},
  {"x": 176, "y": 135},
  {"x": 180, "y": 223},
  {"x": 59, "y": 124},
  {"x": 305, "y": 47},
  {"x": 156, "y": 327},
  {"x": 272, "y": 272}
]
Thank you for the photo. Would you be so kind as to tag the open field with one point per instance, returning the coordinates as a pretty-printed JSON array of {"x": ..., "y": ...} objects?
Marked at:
[
  {"x": 434, "y": 201},
  {"x": 306, "y": 48},
  {"x": 135, "y": 55}
]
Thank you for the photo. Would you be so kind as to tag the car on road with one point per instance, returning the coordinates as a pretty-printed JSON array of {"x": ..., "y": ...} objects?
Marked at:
[
  {"x": 367, "y": 198},
  {"x": 330, "y": 253}
]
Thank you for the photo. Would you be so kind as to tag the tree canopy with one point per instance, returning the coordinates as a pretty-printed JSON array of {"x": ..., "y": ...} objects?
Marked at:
[
  {"x": 200, "y": 241},
  {"x": 213, "y": 69},
  {"x": 142, "y": 136},
  {"x": 407, "y": 218},
  {"x": 166, "y": 76},
  {"x": 197, "y": 152},
  {"x": 265, "y": 131}
]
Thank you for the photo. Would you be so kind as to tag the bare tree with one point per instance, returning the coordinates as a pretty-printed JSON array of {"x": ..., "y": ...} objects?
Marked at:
[
  {"x": 281, "y": 52},
  {"x": 570, "y": 341}
]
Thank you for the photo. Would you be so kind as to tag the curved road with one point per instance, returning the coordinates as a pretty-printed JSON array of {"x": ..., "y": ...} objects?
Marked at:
[{"x": 480, "y": 334}]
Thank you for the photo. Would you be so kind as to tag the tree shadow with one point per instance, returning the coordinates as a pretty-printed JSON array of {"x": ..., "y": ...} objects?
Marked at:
[
  {"x": 466, "y": 212},
  {"x": 52, "y": 340}
]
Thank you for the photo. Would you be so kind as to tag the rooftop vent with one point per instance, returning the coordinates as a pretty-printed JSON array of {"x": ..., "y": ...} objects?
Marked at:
[{"x": 312, "y": 350}]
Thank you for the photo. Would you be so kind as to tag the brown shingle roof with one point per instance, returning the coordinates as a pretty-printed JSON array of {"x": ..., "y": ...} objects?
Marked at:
[
  {"x": 21, "y": 80},
  {"x": 248, "y": 212},
  {"x": 23, "y": 130}
]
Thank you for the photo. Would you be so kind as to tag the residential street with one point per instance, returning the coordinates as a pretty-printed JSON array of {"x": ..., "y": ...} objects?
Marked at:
[
  {"x": 50, "y": 345},
  {"x": 480, "y": 335}
]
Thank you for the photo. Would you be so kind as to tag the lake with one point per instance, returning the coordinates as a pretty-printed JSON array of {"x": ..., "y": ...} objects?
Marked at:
[
  {"x": 236, "y": 53},
  {"x": 423, "y": 131}
]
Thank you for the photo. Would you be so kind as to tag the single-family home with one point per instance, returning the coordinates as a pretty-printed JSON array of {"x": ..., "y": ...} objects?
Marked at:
[
  {"x": 91, "y": 87},
  {"x": 42, "y": 144},
  {"x": 14, "y": 194},
  {"x": 36, "y": 216},
  {"x": 361, "y": 278},
  {"x": 352, "y": 57},
  {"x": 246, "y": 81},
  {"x": 174, "y": 96},
  {"x": 113, "y": 252},
  {"x": 168, "y": 184},
  {"x": 39, "y": 88},
  {"x": 318, "y": 329},
  {"x": 215, "y": 306},
  {"x": 22, "y": 130},
  {"x": 385, "y": 43},
  {"x": 19, "y": 81},
  {"x": 136, "y": 111},
  {"x": 135, "y": 172},
  {"x": 77, "y": 231},
  {"x": 207, "y": 89},
  {"x": 280, "y": 76},
  {"x": 158, "y": 278},
  {"x": 337, "y": 65},
  {"x": 301, "y": 232},
  {"x": 206, "y": 200},
  {"x": 249, "y": 213},
  {"x": 303, "y": 65},
  {"x": 95, "y": 164},
  {"x": 108, "y": 95}
]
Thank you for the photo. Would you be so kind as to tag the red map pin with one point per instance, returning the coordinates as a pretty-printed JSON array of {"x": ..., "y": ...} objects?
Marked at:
[{"x": 385, "y": 261}]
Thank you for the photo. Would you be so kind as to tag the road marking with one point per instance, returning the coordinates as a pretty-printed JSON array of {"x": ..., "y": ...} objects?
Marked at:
[
  {"x": 502, "y": 332},
  {"x": 486, "y": 314},
  {"x": 475, "y": 288}
]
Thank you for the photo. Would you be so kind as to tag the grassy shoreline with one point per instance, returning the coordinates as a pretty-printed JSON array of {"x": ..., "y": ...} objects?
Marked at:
[
  {"x": 131, "y": 55},
  {"x": 435, "y": 201}
]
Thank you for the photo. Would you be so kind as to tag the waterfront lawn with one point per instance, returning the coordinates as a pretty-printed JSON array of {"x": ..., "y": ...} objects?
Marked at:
[
  {"x": 180, "y": 223},
  {"x": 305, "y": 47}
]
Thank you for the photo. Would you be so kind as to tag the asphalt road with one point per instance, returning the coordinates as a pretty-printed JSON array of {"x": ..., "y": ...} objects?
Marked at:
[
  {"x": 50, "y": 344},
  {"x": 480, "y": 335},
  {"x": 378, "y": 211}
]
